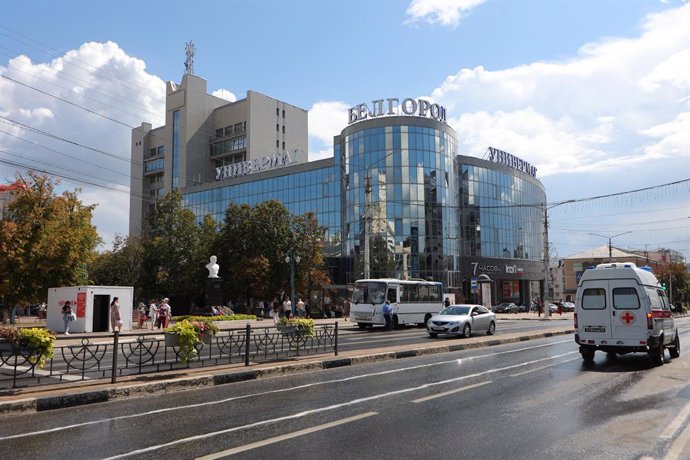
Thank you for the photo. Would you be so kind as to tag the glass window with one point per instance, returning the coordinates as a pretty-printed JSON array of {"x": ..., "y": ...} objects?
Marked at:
[
  {"x": 594, "y": 299},
  {"x": 625, "y": 298}
]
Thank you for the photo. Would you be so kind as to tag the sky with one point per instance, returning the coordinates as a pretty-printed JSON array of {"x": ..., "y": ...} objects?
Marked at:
[{"x": 594, "y": 93}]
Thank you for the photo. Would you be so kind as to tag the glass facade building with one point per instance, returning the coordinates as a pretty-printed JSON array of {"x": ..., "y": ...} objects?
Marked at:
[
  {"x": 399, "y": 198},
  {"x": 396, "y": 200},
  {"x": 501, "y": 229}
]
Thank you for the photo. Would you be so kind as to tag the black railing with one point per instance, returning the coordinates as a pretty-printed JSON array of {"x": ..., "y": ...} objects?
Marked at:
[{"x": 143, "y": 355}]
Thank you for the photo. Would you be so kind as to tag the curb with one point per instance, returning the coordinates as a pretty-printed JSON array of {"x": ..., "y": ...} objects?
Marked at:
[{"x": 127, "y": 391}]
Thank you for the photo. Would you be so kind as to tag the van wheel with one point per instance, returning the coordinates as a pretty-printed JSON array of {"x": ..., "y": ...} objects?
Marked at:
[
  {"x": 362, "y": 325},
  {"x": 587, "y": 354},
  {"x": 674, "y": 350},
  {"x": 656, "y": 354}
]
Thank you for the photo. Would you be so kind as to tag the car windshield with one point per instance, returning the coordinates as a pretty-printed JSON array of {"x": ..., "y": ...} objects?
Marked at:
[{"x": 456, "y": 311}]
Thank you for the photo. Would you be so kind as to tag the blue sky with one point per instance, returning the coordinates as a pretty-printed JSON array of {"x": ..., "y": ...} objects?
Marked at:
[{"x": 596, "y": 94}]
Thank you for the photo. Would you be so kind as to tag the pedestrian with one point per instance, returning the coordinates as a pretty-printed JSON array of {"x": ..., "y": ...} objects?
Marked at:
[
  {"x": 67, "y": 315},
  {"x": 153, "y": 314},
  {"x": 164, "y": 314},
  {"x": 447, "y": 302},
  {"x": 388, "y": 315},
  {"x": 301, "y": 310},
  {"x": 287, "y": 308},
  {"x": 346, "y": 309},
  {"x": 142, "y": 314},
  {"x": 115, "y": 319}
]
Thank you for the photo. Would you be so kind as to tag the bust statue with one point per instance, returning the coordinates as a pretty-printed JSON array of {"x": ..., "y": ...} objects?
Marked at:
[{"x": 212, "y": 267}]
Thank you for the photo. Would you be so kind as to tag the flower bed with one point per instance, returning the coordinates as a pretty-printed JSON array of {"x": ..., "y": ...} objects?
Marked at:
[{"x": 186, "y": 335}]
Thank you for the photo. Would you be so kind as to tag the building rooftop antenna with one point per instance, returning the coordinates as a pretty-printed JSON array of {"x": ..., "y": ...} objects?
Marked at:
[{"x": 189, "y": 61}]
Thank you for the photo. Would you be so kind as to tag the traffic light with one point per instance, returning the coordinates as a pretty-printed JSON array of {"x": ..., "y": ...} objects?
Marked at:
[{"x": 663, "y": 285}]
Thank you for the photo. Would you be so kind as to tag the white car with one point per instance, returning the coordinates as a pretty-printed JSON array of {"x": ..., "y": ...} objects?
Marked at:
[{"x": 462, "y": 320}]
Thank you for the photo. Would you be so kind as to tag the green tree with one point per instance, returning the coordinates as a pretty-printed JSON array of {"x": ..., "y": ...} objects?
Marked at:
[
  {"x": 47, "y": 240},
  {"x": 174, "y": 253},
  {"x": 121, "y": 266}
]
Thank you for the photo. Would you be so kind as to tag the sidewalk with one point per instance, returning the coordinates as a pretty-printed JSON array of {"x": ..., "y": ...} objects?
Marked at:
[{"x": 55, "y": 396}]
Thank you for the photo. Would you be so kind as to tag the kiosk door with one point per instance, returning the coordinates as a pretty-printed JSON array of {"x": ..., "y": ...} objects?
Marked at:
[{"x": 101, "y": 313}]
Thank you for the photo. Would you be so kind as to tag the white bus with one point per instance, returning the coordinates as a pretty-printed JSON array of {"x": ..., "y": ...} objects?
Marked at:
[{"x": 413, "y": 302}]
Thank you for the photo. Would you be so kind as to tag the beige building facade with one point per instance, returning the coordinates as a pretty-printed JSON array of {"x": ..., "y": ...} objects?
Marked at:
[{"x": 206, "y": 139}]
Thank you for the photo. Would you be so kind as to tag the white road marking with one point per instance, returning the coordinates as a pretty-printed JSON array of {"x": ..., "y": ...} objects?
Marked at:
[
  {"x": 676, "y": 423},
  {"x": 331, "y": 407},
  {"x": 541, "y": 368},
  {"x": 446, "y": 393},
  {"x": 284, "y": 437},
  {"x": 679, "y": 445},
  {"x": 283, "y": 390}
]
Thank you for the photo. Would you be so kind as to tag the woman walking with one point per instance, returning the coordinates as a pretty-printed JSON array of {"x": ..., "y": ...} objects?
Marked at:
[
  {"x": 115, "y": 320},
  {"x": 67, "y": 316}
]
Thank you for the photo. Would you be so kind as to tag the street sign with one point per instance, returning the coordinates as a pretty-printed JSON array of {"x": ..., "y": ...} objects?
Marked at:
[{"x": 473, "y": 284}]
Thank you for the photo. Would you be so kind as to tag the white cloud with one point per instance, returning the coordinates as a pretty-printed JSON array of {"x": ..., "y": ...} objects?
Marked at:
[
  {"x": 619, "y": 99},
  {"x": 443, "y": 12},
  {"x": 99, "y": 77},
  {"x": 225, "y": 94},
  {"x": 326, "y": 119}
]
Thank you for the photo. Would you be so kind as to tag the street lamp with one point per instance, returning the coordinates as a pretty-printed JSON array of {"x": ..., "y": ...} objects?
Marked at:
[
  {"x": 547, "y": 273},
  {"x": 293, "y": 259},
  {"x": 610, "y": 237}
]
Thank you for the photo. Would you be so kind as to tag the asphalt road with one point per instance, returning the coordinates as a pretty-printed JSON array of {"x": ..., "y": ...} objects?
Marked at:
[{"x": 529, "y": 400}]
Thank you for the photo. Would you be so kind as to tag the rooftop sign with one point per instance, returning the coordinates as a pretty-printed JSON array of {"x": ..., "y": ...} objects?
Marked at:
[
  {"x": 393, "y": 106},
  {"x": 505, "y": 158},
  {"x": 243, "y": 168}
]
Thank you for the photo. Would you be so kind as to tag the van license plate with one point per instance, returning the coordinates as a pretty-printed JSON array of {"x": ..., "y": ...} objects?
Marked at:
[{"x": 595, "y": 329}]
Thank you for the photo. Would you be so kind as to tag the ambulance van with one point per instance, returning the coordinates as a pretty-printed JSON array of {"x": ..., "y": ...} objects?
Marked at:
[{"x": 620, "y": 308}]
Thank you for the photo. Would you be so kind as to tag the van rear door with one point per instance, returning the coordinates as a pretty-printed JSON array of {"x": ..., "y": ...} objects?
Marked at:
[
  {"x": 594, "y": 317},
  {"x": 628, "y": 317}
]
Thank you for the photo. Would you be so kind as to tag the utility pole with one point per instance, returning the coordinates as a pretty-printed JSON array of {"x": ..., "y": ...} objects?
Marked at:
[
  {"x": 367, "y": 206},
  {"x": 610, "y": 237}
]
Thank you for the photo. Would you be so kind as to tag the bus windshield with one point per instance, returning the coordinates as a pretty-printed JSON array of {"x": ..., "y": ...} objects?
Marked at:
[{"x": 369, "y": 292}]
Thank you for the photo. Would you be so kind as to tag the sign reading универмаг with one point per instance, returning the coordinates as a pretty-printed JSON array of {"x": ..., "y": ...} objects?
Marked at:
[
  {"x": 243, "y": 168},
  {"x": 392, "y": 106},
  {"x": 505, "y": 158}
]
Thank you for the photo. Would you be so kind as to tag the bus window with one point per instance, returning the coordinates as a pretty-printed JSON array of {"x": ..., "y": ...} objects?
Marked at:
[
  {"x": 424, "y": 294},
  {"x": 435, "y": 293}
]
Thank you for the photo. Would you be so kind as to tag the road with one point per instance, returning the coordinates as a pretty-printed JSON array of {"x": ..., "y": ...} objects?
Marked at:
[{"x": 528, "y": 400}]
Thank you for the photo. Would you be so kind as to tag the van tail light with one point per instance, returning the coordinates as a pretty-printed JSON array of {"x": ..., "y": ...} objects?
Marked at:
[
  {"x": 657, "y": 314},
  {"x": 575, "y": 320},
  {"x": 650, "y": 321}
]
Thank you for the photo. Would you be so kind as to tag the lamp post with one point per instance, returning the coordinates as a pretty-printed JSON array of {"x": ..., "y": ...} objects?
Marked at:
[
  {"x": 610, "y": 237},
  {"x": 547, "y": 272},
  {"x": 292, "y": 259}
]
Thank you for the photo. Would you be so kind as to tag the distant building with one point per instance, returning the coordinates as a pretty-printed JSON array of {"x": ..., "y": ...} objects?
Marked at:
[
  {"x": 7, "y": 193},
  {"x": 575, "y": 265}
]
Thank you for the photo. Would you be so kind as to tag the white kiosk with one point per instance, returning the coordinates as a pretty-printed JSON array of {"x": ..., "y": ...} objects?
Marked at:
[{"x": 92, "y": 306}]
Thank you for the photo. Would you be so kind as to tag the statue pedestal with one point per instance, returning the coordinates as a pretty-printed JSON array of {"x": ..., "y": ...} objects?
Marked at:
[{"x": 213, "y": 296}]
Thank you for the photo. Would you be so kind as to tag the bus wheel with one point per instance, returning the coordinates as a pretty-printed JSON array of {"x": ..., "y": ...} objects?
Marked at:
[
  {"x": 427, "y": 317},
  {"x": 362, "y": 325}
]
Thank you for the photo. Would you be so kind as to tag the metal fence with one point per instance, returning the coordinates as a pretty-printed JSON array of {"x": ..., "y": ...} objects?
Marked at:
[{"x": 126, "y": 356}]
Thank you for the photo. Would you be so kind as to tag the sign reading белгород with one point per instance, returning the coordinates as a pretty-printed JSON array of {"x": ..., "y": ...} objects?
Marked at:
[{"x": 393, "y": 106}]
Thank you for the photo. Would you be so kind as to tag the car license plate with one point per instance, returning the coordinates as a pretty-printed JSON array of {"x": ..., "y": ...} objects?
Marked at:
[
  {"x": 438, "y": 329},
  {"x": 599, "y": 329}
]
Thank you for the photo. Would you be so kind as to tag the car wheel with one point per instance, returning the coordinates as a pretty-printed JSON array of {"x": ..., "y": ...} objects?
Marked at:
[
  {"x": 467, "y": 330},
  {"x": 675, "y": 349},
  {"x": 492, "y": 328},
  {"x": 587, "y": 354},
  {"x": 433, "y": 335},
  {"x": 656, "y": 354}
]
